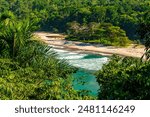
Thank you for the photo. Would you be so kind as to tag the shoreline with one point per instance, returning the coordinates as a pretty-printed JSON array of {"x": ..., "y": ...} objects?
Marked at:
[{"x": 58, "y": 41}]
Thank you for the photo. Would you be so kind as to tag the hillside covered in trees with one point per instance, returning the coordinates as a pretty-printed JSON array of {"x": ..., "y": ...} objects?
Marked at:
[
  {"x": 107, "y": 20},
  {"x": 30, "y": 70}
]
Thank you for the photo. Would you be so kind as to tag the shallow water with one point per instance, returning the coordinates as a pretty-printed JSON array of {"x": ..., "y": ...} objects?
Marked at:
[
  {"x": 85, "y": 80},
  {"x": 87, "y": 64}
]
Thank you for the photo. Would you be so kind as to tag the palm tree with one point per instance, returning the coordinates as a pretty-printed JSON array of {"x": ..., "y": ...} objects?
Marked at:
[{"x": 14, "y": 33}]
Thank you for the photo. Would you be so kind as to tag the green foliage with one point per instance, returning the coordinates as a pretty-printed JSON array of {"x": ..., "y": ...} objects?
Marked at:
[
  {"x": 14, "y": 33},
  {"x": 124, "y": 78},
  {"x": 144, "y": 33},
  {"x": 55, "y": 14},
  {"x": 37, "y": 74},
  {"x": 30, "y": 69},
  {"x": 104, "y": 33}
]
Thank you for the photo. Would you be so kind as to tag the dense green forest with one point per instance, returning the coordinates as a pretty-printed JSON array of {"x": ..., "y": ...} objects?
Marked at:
[
  {"x": 115, "y": 18},
  {"x": 128, "y": 78},
  {"x": 29, "y": 69}
]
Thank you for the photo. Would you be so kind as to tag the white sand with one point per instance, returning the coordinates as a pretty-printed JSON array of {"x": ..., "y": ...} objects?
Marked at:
[{"x": 59, "y": 41}]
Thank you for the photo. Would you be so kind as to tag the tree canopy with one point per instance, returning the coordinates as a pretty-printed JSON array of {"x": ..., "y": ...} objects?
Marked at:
[
  {"x": 55, "y": 14},
  {"x": 124, "y": 79},
  {"x": 29, "y": 69}
]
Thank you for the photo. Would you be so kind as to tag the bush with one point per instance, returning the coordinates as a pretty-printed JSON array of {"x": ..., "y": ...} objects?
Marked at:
[
  {"x": 104, "y": 33},
  {"x": 37, "y": 74},
  {"x": 124, "y": 78}
]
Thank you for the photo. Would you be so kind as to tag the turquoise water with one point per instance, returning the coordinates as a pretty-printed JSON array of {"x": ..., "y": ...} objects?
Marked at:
[
  {"x": 87, "y": 64},
  {"x": 85, "y": 80}
]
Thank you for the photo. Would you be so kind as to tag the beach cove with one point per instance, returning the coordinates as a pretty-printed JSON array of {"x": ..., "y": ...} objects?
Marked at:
[
  {"x": 58, "y": 41},
  {"x": 89, "y": 58}
]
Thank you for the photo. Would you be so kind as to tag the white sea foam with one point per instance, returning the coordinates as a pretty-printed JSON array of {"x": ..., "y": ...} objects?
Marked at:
[
  {"x": 78, "y": 60},
  {"x": 60, "y": 51},
  {"x": 89, "y": 64},
  {"x": 63, "y": 54},
  {"x": 85, "y": 61},
  {"x": 72, "y": 57}
]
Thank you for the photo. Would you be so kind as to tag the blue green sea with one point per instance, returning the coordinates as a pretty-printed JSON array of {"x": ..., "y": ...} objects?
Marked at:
[{"x": 88, "y": 64}]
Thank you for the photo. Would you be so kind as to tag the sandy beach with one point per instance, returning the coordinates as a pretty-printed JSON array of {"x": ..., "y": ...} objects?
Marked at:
[{"x": 58, "y": 41}]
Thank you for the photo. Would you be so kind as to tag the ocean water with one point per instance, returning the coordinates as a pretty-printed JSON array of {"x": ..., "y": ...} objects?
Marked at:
[{"x": 87, "y": 64}]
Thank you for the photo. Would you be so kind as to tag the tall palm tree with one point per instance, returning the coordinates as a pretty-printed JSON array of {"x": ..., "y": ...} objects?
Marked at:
[{"x": 14, "y": 33}]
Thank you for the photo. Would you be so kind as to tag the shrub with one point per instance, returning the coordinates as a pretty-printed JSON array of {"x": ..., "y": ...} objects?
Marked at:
[{"x": 124, "y": 78}]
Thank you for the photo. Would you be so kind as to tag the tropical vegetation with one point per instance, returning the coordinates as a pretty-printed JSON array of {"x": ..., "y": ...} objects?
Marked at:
[
  {"x": 124, "y": 79},
  {"x": 128, "y": 78},
  {"x": 29, "y": 69},
  {"x": 114, "y": 16}
]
